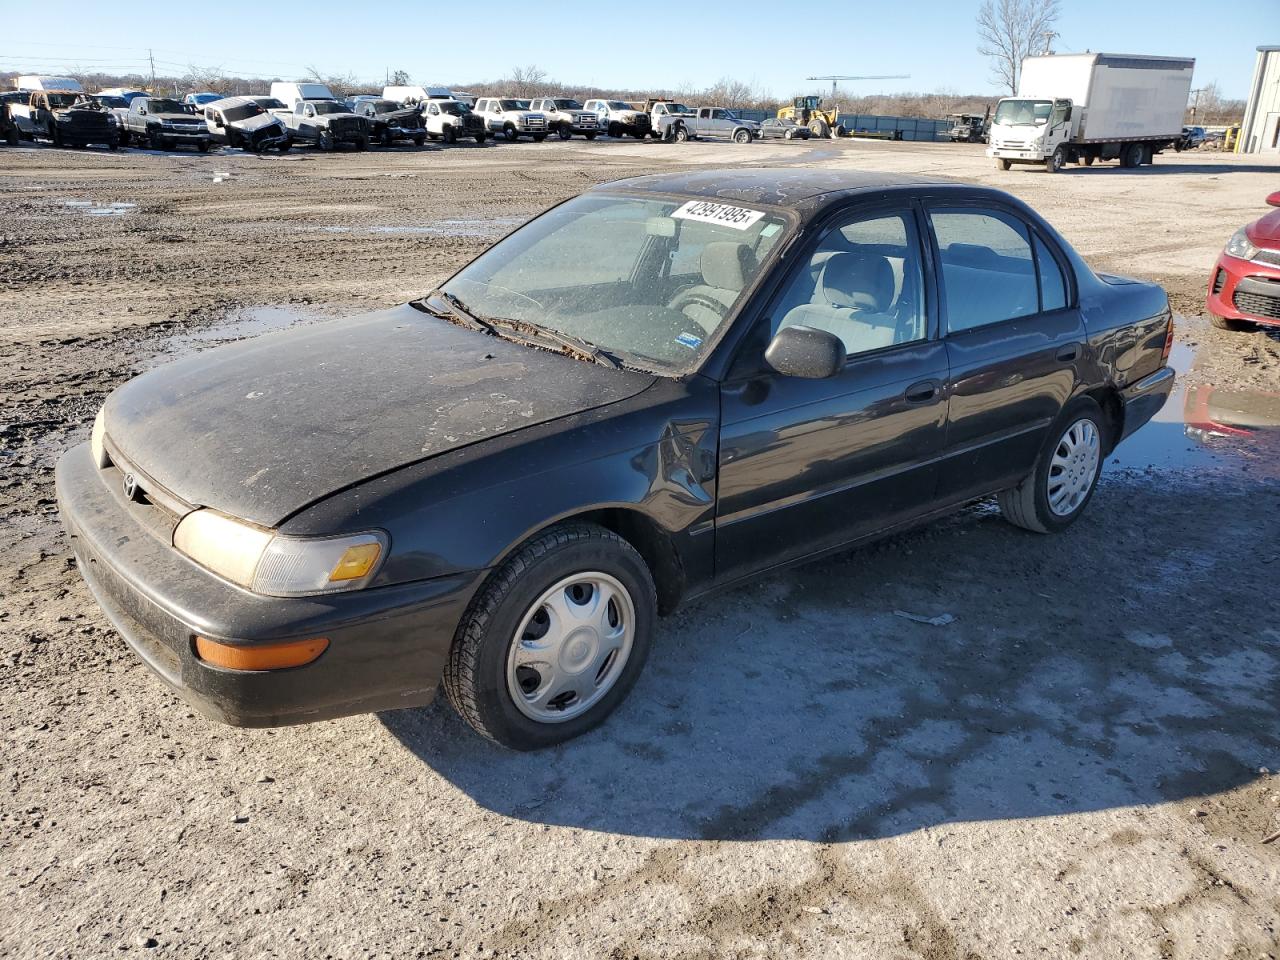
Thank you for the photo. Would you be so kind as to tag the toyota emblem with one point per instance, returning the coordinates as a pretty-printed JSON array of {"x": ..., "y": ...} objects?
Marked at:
[{"x": 130, "y": 486}]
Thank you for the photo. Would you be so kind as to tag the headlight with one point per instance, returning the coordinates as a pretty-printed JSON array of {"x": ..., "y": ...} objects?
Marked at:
[
  {"x": 276, "y": 565},
  {"x": 1240, "y": 247},
  {"x": 96, "y": 445}
]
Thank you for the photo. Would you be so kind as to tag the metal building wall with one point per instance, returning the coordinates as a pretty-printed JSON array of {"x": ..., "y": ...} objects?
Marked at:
[{"x": 1260, "y": 131}]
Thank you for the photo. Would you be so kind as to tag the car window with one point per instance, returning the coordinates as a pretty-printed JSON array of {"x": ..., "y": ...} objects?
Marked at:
[
  {"x": 1053, "y": 286},
  {"x": 988, "y": 272},
  {"x": 864, "y": 283}
]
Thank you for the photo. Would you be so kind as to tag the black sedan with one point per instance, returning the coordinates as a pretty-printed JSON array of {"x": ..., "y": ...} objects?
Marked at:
[
  {"x": 775, "y": 129},
  {"x": 663, "y": 386}
]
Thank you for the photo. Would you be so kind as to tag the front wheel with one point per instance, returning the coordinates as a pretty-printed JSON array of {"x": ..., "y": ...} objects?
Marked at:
[
  {"x": 1132, "y": 155},
  {"x": 324, "y": 140},
  {"x": 203, "y": 146},
  {"x": 1054, "y": 494},
  {"x": 564, "y": 131},
  {"x": 419, "y": 140},
  {"x": 1226, "y": 323},
  {"x": 362, "y": 144},
  {"x": 555, "y": 640},
  {"x": 742, "y": 136},
  {"x": 1057, "y": 160},
  {"x": 681, "y": 134},
  {"x": 481, "y": 137},
  {"x": 510, "y": 132},
  {"x": 1003, "y": 164},
  {"x": 615, "y": 129},
  {"x": 284, "y": 147},
  {"x": 385, "y": 138}
]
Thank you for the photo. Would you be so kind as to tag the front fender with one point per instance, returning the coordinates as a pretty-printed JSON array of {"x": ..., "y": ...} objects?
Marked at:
[{"x": 466, "y": 510}]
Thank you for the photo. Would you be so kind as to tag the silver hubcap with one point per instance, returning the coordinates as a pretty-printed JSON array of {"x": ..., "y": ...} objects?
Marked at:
[
  {"x": 1073, "y": 467},
  {"x": 571, "y": 647}
]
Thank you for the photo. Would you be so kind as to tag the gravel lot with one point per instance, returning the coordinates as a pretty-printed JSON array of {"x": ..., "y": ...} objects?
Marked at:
[{"x": 1077, "y": 765}]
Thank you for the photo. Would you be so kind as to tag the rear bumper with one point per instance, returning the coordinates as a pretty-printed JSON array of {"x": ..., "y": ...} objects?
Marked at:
[
  {"x": 1144, "y": 399},
  {"x": 1244, "y": 290},
  {"x": 387, "y": 646}
]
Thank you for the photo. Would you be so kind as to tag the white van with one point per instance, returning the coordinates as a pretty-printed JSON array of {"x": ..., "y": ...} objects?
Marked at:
[
  {"x": 40, "y": 82},
  {"x": 291, "y": 93},
  {"x": 413, "y": 95}
]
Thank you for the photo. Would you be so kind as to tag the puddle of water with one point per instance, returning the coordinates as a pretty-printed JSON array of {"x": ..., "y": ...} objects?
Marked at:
[
  {"x": 91, "y": 208},
  {"x": 240, "y": 325},
  {"x": 490, "y": 227},
  {"x": 1207, "y": 427}
]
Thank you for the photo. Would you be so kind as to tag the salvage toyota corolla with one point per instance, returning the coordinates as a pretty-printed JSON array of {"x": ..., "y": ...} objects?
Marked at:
[{"x": 660, "y": 387}]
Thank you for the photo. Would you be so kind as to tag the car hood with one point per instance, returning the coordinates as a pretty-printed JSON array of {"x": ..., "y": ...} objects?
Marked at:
[
  {"x": 261, "y": 428},
  {"x": 257, "y": 122},
  {"x": 179, "y": 117},
  {"x": 398, "y": 116},
  {"x": 1265, "y": 230}
]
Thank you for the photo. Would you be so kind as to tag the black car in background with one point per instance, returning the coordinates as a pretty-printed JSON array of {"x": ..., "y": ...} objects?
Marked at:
[
  {"x": 661, "y": 387},
  {"x": 390, "y": 121}
]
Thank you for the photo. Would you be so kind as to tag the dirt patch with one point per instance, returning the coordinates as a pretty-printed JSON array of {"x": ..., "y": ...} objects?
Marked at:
[{"x": 1069, "y": 767}]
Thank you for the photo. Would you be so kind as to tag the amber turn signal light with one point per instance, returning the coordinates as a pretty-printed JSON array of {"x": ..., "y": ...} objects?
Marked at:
[{"x": 263, "y": 656}]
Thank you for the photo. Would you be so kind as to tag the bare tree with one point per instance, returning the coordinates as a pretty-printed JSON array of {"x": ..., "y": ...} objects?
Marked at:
[
  {"x": 731, "y": 93},
  {"x": 400, "y": 78},
  {"x": 530, "y": 81},
  {"x": 342, "y": 84},
  {"x": 1009, "y": 30}
]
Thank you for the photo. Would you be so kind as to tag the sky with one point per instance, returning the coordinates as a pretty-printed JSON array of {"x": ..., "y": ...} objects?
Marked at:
[{"x": 664, "y": 45}]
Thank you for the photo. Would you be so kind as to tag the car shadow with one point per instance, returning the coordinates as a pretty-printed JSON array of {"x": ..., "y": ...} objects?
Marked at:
[
  {"x": 1159, "y": 169},
  {"x": 1091, "y": 670}
]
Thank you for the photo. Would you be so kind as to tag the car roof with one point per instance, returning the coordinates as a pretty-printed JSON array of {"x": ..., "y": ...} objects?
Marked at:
[{"x": 771, "y": 186}]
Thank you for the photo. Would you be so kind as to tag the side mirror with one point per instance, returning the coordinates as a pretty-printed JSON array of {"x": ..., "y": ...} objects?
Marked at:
[
  {"x": 806, "y": 352},
  {"x": 1274, "y": 199}
]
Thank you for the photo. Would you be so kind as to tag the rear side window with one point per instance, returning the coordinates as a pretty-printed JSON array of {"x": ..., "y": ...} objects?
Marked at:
[
  {"x": 988, "y": 269},
  {"x": 1053, "y": 286}
]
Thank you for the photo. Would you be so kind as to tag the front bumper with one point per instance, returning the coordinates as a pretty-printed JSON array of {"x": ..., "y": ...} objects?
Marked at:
[
  {"x": 1016, "y": 156},
  {"x": 1143, "y": 400},
  {"x": 1244, "y": 290},
  {"x": 387, "y": 646}
]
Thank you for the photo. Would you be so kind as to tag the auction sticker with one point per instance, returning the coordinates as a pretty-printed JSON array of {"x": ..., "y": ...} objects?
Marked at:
[{"x": 739, "y": 218}]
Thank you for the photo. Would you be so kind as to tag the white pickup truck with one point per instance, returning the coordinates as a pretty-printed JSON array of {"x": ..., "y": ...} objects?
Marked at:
[
  {"x": 449, "y": 120},
  {"x": 567, "y": 117},
  {"x": 314, "y": 115},
  {"x": 619, "y": 118},
  {"x": 512, "y": 118}
]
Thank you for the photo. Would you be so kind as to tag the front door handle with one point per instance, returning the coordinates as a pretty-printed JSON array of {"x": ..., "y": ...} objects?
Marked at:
[
  {"x": 922, "y": 392},
  {"x": 1067, "y": 354}
]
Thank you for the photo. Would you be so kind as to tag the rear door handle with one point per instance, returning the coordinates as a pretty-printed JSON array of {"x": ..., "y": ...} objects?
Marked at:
[
  {"x": 1067, "y": 354},
  {"x": 922, "y": 392}
]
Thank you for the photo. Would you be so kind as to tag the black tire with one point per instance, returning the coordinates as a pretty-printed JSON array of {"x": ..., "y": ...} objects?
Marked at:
[
  {"x": 591, "y": 136},
  {"x": 564, "y": 131},
  {"x": 1131, "y": 155},
  {"x": 1057, "y": 161},
  {"x": 1003, "y": 164},
  {"x": 1087, "y": 159},
  {"x": 789, "y": 134},
  {"x": 1226, "y": 323},
  {"x": 475, "y": 674},
  {"x": 122, "y": 138},
  {"x": 742, "y": 136},
  {"x": 51, "y": 130},
  {"x": 154, "y": 141},
  {"x": 362, "y": 144},
  {"x": 385, "y": 138},
  {"x": 324, "y": 140},
  {"x": 481, "y": 137},
  {"x": 284, "y": 147},
  {"x": 450, "y": 135},
  {"x": 1027, "y": 504},
  {"x": 510, "y": 132},
  {"x": 419, "y": 140},
  {"x": 539, "y": 137},
  {"x": 203, "y": 146},
  {"x": 681, "y": 135},
  {"x": 615, "y": 129}
]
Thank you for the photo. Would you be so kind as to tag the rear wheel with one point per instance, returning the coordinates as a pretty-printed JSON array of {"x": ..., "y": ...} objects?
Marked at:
[
  {"x": 481, "y": 137},
  {"x": 1131, "y": 155},
  {"x": 555, "y": 640},
  {"x": 1054, "y": 494}
]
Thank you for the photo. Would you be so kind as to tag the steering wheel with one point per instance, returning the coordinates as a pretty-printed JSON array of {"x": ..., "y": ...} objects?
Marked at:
[{"x": 694, "y": 296}]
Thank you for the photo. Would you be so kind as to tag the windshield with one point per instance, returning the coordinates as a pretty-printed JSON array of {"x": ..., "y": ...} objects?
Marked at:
[
  {"x": 63, "y": 99},
  {"x": 269, "y": 103},
  {"x": 329, "y": 106},
  {"x": 618, "y": 105},
  {"x": 455, "y": 109},
  {"x": 652, "y": 281},
  {"x": 242, "y": 112},
  {"x": 113, "y": 102},
  {"x": 385, "y": 106},
  {"x": 205, "y": 97},
  {"x": 514, "y": 104},
  {"x": 677, "y": 108},
  {"x": 1017, "y": 113},
  {"x": 165, "y": 106},
  {"x": 567, "y": 104}
]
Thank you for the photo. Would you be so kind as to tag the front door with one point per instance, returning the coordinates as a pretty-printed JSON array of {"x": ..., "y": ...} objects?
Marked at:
[
  {"x": 806, "y": 465},
  {"x": 1014, "y": 340}
]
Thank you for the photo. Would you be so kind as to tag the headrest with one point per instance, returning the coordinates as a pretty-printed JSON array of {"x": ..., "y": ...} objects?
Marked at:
[
  {"x": 861, "y": 281},
  {"x": 726, "y": 264}
]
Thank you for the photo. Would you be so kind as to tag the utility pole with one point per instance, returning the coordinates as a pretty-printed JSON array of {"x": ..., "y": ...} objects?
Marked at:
[{"x": 152, "y": 57}]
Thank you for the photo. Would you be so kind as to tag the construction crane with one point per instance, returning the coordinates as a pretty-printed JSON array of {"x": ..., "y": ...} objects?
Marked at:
[{"x": 836, "y": 80}]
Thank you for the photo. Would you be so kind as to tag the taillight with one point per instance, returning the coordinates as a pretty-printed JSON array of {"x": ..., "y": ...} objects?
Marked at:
[{"x": 1168, "y": 342}]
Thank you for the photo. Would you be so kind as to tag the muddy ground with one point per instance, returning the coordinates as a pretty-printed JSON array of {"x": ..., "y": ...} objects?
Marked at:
[{"x": 1077, "y": 765}]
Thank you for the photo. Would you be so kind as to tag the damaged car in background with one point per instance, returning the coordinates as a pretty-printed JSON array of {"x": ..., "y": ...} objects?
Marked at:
[
  {"x": 661, "y": 387},
  {"x": 245, "y": 123},
  {"x": 390, "y": 121}
]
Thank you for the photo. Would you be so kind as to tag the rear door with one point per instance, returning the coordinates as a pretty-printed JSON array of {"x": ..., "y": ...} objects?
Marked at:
[
  {"x": 1014, "y": 338},
  {"x": 806, "y": 465}
]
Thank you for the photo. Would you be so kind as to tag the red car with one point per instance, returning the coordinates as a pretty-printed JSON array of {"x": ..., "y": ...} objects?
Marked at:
[{"x": 1245, "y": 286}]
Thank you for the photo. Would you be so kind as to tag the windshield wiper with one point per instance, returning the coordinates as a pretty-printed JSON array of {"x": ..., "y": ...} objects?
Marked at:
[
  {"x": 583, "y": 349},
  {"x": 457, "y": 311}
]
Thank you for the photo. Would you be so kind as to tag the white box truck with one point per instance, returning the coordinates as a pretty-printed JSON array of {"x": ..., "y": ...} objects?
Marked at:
[{"x": 1082, "y": 107}]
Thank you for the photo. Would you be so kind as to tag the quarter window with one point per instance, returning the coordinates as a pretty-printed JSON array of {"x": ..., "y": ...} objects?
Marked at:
[
  {"x": 863, "y": 283},
  {"x": 1053, "y": 286},
  {"x": 988, "y": 271}
]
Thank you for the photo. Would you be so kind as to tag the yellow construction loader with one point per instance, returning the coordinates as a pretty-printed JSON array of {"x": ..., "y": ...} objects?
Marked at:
[{"x": 808, "y": 112}]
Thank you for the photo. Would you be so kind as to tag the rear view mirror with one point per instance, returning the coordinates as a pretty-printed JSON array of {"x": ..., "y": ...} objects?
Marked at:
[
  {"x": 806, "y": 352},
  {"x": 1274, "y": 199}
]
